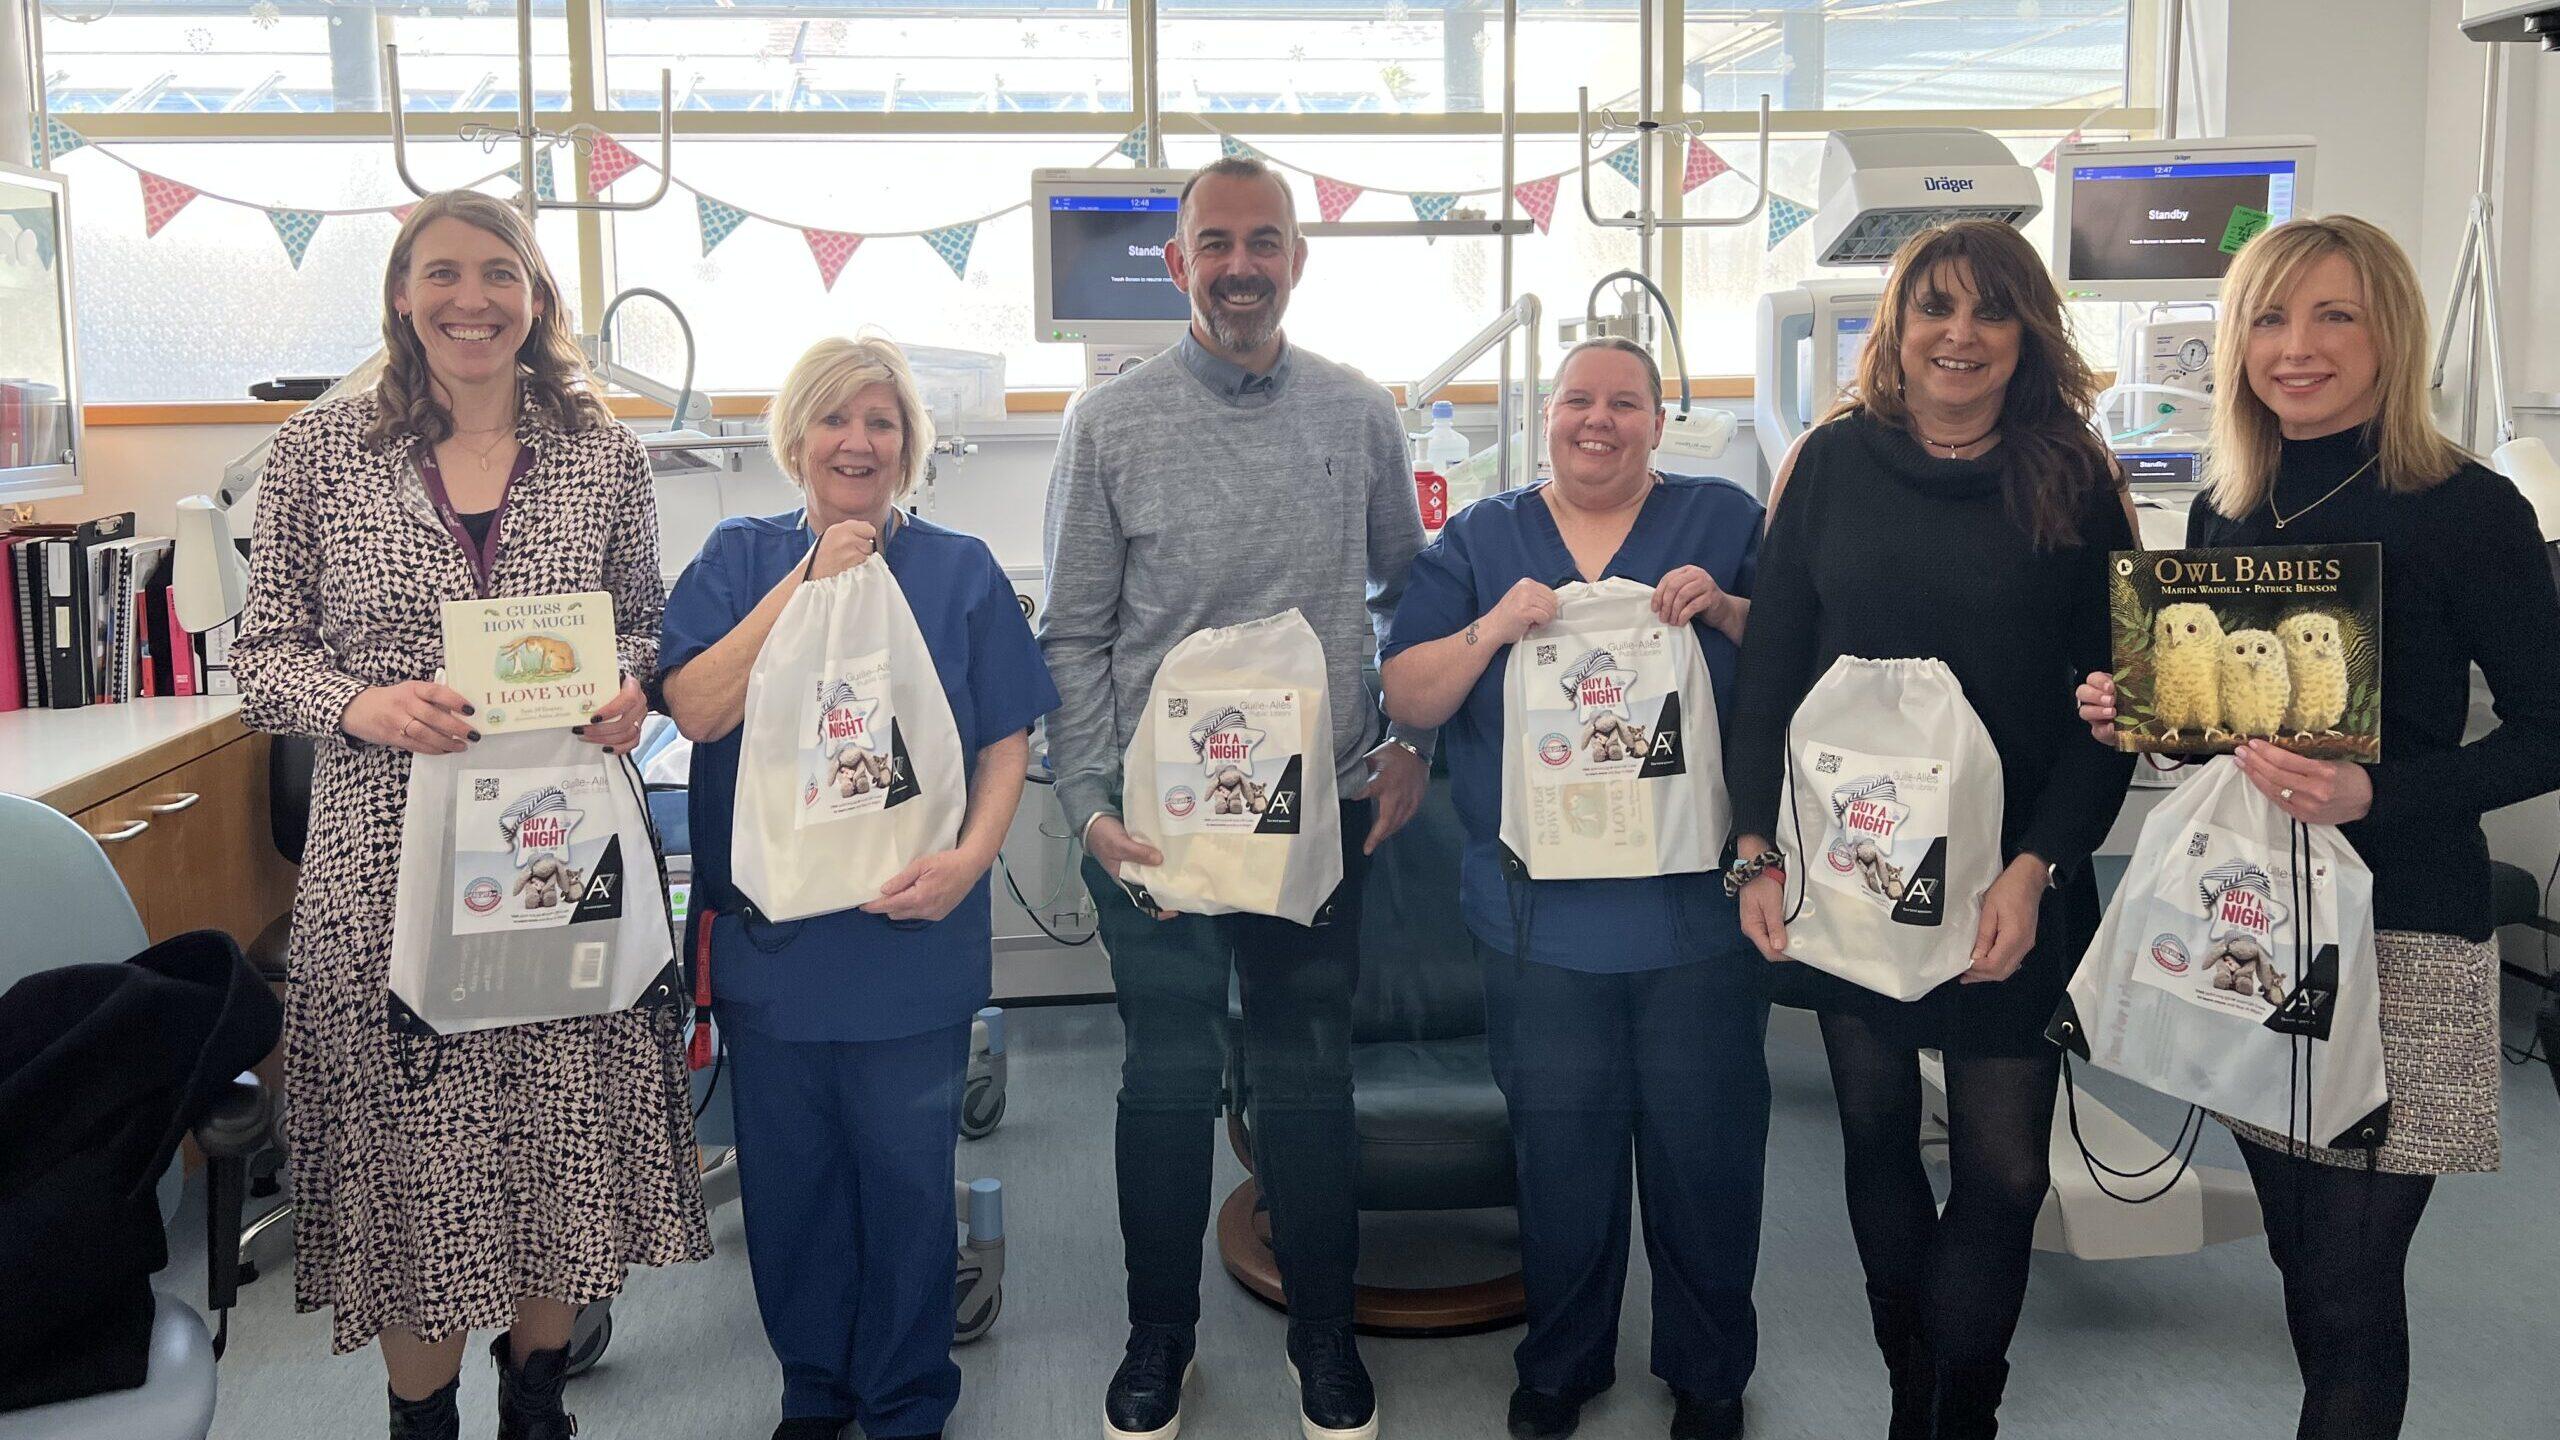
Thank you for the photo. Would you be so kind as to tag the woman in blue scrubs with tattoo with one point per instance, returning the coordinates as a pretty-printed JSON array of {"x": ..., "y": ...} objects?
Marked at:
[
  {"x": 848, "y": 1033},
  {"x": 1626, "y": 1017}
]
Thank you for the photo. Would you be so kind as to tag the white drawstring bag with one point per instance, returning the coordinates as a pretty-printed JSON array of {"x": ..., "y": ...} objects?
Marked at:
[
  {"x": 529, "y": 889},
  {"x": 1230, "y": 775},
  {"x": 1612, "y": 763},
  {"x": 2236, "y": 969},
  {"x": 1894, "y": 804},
  {"x": 849, "y": 765}
]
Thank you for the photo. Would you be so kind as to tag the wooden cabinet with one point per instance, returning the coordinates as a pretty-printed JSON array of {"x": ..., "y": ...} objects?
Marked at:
[{"x": 193, "y": 845}]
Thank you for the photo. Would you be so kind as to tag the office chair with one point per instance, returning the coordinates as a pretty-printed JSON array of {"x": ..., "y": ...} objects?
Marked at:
[
  {"x": 64, "y": 905},
  {"x": 1433, "y": 1133}
]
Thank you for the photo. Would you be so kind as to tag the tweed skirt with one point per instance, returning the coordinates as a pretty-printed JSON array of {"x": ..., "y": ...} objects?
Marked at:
[{"x": 2439, "y": 1055}]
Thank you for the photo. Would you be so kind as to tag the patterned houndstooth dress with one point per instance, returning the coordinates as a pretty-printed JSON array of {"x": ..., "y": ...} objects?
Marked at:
[{"x": 431, "y": 1190}]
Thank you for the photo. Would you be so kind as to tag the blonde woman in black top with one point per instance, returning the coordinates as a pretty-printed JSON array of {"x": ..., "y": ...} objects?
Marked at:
[
  {"x": 2321, "y": 436},
  {"x": 1956, "y": 507}
]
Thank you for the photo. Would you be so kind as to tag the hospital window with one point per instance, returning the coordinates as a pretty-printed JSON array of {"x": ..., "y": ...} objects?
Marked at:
[{"x": 871, "y": 116}]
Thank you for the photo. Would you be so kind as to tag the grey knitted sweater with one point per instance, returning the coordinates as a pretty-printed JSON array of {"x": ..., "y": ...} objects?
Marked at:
[{"x": 1182, "y": 501}]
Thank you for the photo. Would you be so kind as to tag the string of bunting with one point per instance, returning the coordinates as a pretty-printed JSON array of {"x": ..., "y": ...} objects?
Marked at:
[{"x": 608, "y": 160}]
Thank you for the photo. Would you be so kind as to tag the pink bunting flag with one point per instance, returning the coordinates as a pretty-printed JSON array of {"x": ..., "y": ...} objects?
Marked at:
[
  {"x": 1703, "y": 165},
  {"x": 161, "y": 201},
  {"x": 2055, "y": 154},
  {"x": 608, "y": 160},
  {"x": 1538, "y": 197},
  {"x": 832, "y": 248},
  {"x": 401, "y": 213},
  {"x": 1333, "y": 197}
]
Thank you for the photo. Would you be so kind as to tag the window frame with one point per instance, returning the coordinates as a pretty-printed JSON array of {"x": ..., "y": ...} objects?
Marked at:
[{"x": 590, "y": 94}]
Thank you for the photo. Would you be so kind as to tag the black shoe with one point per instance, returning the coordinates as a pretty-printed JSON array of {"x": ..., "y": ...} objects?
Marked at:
[
  {"x": 1969, "y": 1400},
  {"x": 1145, "y": 1402},
  {"x": 438, "y": 1417},
  {"x": 529, "y": 1394},
  {"x": 1543, "y": 1415},
  {"x": 1695, "y": 1417},
  {"x": 811, "y": 1427},
  {"x": 1335, "y": 1399}
]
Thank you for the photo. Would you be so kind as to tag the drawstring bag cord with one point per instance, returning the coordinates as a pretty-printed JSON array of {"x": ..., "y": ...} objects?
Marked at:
[
  {"x": 1795, "y": 819},
  {"x": 2182, "y": 1149}
]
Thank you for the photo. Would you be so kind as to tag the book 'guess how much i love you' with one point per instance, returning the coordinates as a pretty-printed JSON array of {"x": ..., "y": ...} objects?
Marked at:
[
  {"x": 532, "y": 662},
  {"x": 2282, "y": 643}
]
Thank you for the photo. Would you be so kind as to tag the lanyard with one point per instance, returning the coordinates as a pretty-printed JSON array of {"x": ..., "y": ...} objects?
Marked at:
[{"x": 483, "y": 554}]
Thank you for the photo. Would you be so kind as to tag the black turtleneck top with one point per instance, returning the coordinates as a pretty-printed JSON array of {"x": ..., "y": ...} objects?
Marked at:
[
  {"x": 2465, "y": 581},
  {"x": 1880, "y": 550}
]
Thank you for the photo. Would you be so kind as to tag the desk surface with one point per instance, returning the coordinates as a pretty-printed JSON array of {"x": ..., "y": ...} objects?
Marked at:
[{"x": 73, "y": 759}]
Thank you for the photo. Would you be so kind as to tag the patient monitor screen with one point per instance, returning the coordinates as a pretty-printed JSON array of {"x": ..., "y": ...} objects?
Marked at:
[
  {"x": 1106, "y": 258},
  {"x": 2171, "y": 221}
]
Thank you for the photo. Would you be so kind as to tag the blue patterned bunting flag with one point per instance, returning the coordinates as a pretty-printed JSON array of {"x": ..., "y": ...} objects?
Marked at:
[
  {"x": 952, "y": 243},
  {"x": 1233, "y": 148},
  {"x": 295, "y": 228},
  {"x": 717, "y": 220},
  {"x": 1433, "y": 207},
  {"x": 65, "y": 139},
  {"x": 1134, "y": 145},
  {"x": 1785, "y": 218},
  {"x": 1623, "y": 160}
]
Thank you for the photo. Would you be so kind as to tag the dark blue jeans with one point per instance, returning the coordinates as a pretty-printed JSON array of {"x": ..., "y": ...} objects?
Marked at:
[
  {"x": 1295, "y": 982},
  {"x": 1661, "y": 1073}
]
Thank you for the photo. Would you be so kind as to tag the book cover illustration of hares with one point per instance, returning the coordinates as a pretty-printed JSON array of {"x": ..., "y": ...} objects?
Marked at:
[
  {"x": 2214, "y": 648},
  {"x": 532, "y": 662}
]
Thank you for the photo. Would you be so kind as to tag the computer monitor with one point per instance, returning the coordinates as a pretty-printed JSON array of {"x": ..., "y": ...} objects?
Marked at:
[
  {"x": 1097, "y": 256},
  {"x": 2161, "y": 219}
]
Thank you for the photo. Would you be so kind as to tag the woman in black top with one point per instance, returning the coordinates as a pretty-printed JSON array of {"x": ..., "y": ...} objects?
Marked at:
[
  {"x": 1955, "y": 506},
  {"x": 2322, "y": 437}
]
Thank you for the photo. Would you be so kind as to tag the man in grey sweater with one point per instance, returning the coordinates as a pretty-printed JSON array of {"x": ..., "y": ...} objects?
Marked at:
[{"x": 1226, "y": 480}]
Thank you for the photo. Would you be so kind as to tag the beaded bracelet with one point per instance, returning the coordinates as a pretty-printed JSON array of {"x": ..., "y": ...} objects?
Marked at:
[{"x": 1743, "y": 872}]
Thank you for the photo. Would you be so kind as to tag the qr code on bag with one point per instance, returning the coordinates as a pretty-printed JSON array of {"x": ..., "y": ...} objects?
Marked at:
[
  {"x": 485, "y": 788},
  {"x": 2196, "y": 844},
  {"x": 1546, "y": 654},
  {"x": 1177, "y": 707},
  {"x": 1827, "y": 763}
]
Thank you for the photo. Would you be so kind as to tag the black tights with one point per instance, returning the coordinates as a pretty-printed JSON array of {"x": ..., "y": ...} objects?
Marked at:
[
  {"x": 2341, "y": 1239},
  {"x": 1965, "y": 1271}
]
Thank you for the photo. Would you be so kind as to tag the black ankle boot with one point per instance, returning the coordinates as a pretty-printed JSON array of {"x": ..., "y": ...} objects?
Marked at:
[
  {"x": 1905, "y": 1343},
  {"x": 438, "y": 1417},
  {"x": 1969, "y": 1400},
  {"x": 529, "y": 1394}
]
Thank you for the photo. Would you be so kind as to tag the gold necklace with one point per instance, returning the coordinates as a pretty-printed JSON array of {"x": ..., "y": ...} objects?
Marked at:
[{"x": 2282, "y": 519}]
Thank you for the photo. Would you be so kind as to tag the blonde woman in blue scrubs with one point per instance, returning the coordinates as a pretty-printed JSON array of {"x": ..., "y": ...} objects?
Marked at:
[{"x": 849, "y": 1033}]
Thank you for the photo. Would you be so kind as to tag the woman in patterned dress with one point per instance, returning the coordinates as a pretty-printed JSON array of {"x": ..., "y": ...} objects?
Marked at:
[
  {"x": 2321, "y": 436},
  {"x": 499, "y": 1179}
]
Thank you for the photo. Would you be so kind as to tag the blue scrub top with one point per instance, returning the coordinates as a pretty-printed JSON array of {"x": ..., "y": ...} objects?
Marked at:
[
  {"x": 1484, "y": 550},
  {"x": 850, "y": 975}
]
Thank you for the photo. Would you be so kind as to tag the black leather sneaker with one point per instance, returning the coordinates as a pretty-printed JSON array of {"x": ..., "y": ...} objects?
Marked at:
[
  {"x": 1145, "y": 1402},
  {"x": 1335, "y": 1399},
  {"x": 1543, "y": 1415},
  {"x": 1695, "y": 1417},
  {"x": 811, "y": 1427}
]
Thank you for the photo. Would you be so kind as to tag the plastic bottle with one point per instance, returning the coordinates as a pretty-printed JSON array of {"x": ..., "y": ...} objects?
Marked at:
[{"x": 1443, "y": 450}]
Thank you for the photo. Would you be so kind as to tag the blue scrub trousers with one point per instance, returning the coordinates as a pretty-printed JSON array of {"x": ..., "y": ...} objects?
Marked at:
[
  {"x": 845, "y": 1155},
  {"x": 1662, "y": 1073}
]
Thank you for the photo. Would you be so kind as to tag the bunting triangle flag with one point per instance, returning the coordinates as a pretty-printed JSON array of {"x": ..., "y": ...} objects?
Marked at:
[
  {"x": 1333, "y": 197},
  {"x": 400, "y": 213},
  {"x": 1623, "y": 160},
  {"x": 65, "y": 139},
  {"x": 832, "y": 248},
  {"x": 1538, "y": 197},
  {"x": 1433, "y": 207},
  {"x": 1786, "y": 217},
  {"x": 952, "y": 243},
  {"x": 1234, "y": 149},
  {"x": 718, "y": 220},
  {"x": 1134, "y": 145},
  {"x": 1702, "y": 166},
  {"x": 295, "y": 228},
  {"x": 608, "y": 160},
  {"x": 161, "y": 201},
  {"x": 2054, "y": 155},
  {"x": 544, "y": 186}
]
